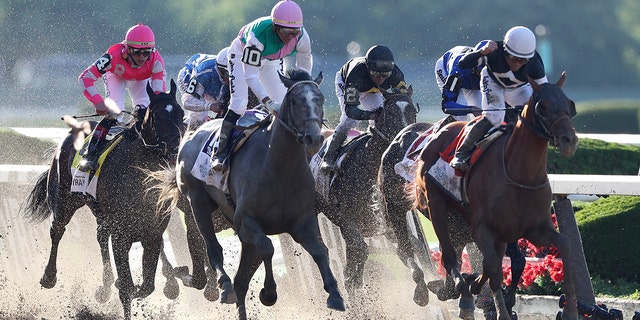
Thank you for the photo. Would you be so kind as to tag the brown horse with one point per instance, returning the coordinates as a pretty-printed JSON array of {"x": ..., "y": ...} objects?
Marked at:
[{"x": 508, "y": 192}]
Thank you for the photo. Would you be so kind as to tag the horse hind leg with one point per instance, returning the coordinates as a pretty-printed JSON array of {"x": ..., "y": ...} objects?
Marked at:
[
  {"x": 308, "y": 236},
  {"x": 171, "y": 288},
  {"x": 125, "y": 286},
  {"x": 152, "y": 249},
  {"x": 249, "y": 263},
  {"x": 61, "y": 218},
  {"x": 104, "y": 292}
]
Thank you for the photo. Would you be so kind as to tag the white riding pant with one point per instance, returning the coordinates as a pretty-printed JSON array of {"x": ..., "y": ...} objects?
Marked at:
[
  {"x": 494, "y": 97},
  {"x": 116, "y": 87},
  {"x": 369, "y": 101}
]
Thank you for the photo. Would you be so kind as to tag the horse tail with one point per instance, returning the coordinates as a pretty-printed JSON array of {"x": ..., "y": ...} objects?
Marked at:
[
  {"x": 165, "y": 184},
  {"x": 36, "y": 207}
]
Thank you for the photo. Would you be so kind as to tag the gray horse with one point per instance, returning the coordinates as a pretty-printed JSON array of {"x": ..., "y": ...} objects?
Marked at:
[{"x": 270, "y": 191}]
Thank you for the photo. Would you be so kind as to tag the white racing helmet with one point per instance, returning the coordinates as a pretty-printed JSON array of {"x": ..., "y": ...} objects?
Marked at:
[{"x": 520, "y": 42}]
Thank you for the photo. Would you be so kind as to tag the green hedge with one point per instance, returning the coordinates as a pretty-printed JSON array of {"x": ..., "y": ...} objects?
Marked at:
[
  {"x": 597, "y": 157},
  {"x": 610, "y": 228}
]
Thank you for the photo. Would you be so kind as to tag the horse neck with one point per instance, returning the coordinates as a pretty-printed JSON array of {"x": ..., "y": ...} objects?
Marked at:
[
  {"x": 284, "y": 150},
  {"x": 525, "y": 154}
]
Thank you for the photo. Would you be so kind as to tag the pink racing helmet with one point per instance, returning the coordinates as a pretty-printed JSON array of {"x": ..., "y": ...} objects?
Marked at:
[
  {"x": 140, "y": 37},
  {"x": 287, "y": 13}
]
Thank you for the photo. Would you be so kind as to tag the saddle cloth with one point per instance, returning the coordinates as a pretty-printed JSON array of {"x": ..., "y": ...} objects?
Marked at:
[
  {"x": 87, "y": 182},
  {"x": 246, "y": 125}
]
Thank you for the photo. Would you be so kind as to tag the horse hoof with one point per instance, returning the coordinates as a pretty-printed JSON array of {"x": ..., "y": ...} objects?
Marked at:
[
  {"x": 211, "y": 293},
  {"x": 143, "y": 292},
  {"x": 467, "y": 304},
  {"x": 103, "y": 294},
  {"x": 514, "y": 315},
  {"x": 336, "y": 303},
  {"x": 421, "y": 295},
  {"x": 435, "y": 285},
  {"x": 268, "y": 299},
  {"x": 171, "y": 289},
  {"x": 466, "y": 315},
  {"x": 48, "y": 282},
  {"x": 228, "y": 297}
]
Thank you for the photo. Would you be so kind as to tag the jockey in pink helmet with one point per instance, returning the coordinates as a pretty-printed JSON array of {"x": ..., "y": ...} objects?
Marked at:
[
  {"x": 126, "y": 66},
  {"x": 255, "y": 59},
  {"x": 140, "y": 36},
  {"x": 287, "y": 14}
]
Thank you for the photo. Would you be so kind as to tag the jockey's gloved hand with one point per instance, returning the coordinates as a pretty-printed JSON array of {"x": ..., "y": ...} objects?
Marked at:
[{"x": 272, "y": 106}]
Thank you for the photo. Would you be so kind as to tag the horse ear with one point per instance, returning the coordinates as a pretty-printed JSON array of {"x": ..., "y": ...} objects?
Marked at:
[
  {"x": 173, "y": 88},
  {"x": 286, "y": 81},
  {"x": 533, "y": 84},
  {"x": 410, "y": 90},
  {"x": 562, "y": 79},
  {"x": 150, "y": 91},
  {"x": 318, "y": 80}
]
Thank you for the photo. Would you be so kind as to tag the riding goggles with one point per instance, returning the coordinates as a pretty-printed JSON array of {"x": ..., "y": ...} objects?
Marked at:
[
  {"x": 289, "y": 32},
  {"x": 380, "y": 74},
  {"x": 141, "y": 52}
]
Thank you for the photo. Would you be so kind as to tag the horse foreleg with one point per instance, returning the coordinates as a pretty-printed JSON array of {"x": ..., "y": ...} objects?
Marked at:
[
  {"x": 104, "y": 292},
  {"x": 124, "y": 283},
  {"x": 493, "y": 251},
  {"x": 550, "y": 237},
  {"x": 308, "y": 237},
  {"x": 357, "y": 253},
  {"x": 397, "y": 220}
]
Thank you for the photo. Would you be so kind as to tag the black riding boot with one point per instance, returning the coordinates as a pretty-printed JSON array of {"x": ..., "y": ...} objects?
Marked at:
[
  {"x": 220, "y": 156},
  {"x": 461, "y": 159},
  {"x": 90, "y": 156},
  {"x": 330, "y": 157}
]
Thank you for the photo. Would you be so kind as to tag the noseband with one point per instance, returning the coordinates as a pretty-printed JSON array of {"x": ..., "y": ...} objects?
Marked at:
[{"x": 292, "y": 128}]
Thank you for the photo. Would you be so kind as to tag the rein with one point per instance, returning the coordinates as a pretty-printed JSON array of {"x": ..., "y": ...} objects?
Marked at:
[{"x": 511, "y": 181}]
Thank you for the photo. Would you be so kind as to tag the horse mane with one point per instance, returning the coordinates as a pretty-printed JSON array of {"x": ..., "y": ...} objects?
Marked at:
[{"x": 298, "y": 75}]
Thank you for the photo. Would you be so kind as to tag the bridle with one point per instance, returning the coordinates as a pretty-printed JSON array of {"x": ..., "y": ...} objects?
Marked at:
[
  {"x": 543, "y": 124},
  {"x": 289, "y": 116},
  {"x": 383, "y": 117},
  {"x": 149, "y": 134}
]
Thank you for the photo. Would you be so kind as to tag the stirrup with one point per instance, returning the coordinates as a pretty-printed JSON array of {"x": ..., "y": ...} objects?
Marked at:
[
  {"x": 459, "y": 164},
  {"x": 87, "y": 165}
]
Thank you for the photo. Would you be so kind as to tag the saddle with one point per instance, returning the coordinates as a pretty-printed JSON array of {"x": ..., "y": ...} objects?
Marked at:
[{"x": 452, "y": 180}]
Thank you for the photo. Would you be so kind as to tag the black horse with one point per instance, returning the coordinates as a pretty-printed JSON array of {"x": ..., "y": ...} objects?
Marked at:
[
  {"x": 346, "y": 198},
  {"x": 270, "y": 191},
  {"x": 123, "y": 210}
]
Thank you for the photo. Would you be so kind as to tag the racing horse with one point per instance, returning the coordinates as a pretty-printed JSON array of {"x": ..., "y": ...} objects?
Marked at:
[
  {"x": 270, "y": 191},
  {"x": 508, "y": 193},
  {"x": 123, "y": 210},
  {"x": 348, "y": 200}
]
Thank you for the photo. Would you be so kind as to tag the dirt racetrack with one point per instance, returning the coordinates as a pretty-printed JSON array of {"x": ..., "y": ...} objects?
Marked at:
[{"x": 24, "y": 249}]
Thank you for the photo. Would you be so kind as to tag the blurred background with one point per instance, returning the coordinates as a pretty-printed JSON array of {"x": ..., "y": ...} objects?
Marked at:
[{"x": 46, "y": 44}]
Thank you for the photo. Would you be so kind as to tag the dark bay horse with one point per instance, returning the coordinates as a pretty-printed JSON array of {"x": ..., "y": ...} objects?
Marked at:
[
  {"x": 348, "y": 202},
  {"x": 508, "y": 192},
  {"x": 270, "y": 191},
  {"x": 123, "y": 210}
]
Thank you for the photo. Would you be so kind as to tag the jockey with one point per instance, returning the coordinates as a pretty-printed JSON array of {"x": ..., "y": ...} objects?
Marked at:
[
  {"x": 359, "y": 82},
  {"x": 204, "y": 84},
  {"x": 128, "y": 65},
  {"x": 255, "y": 60},
  {"x": 504, "y": 79},
  {"x": 453, "y": 80}
]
